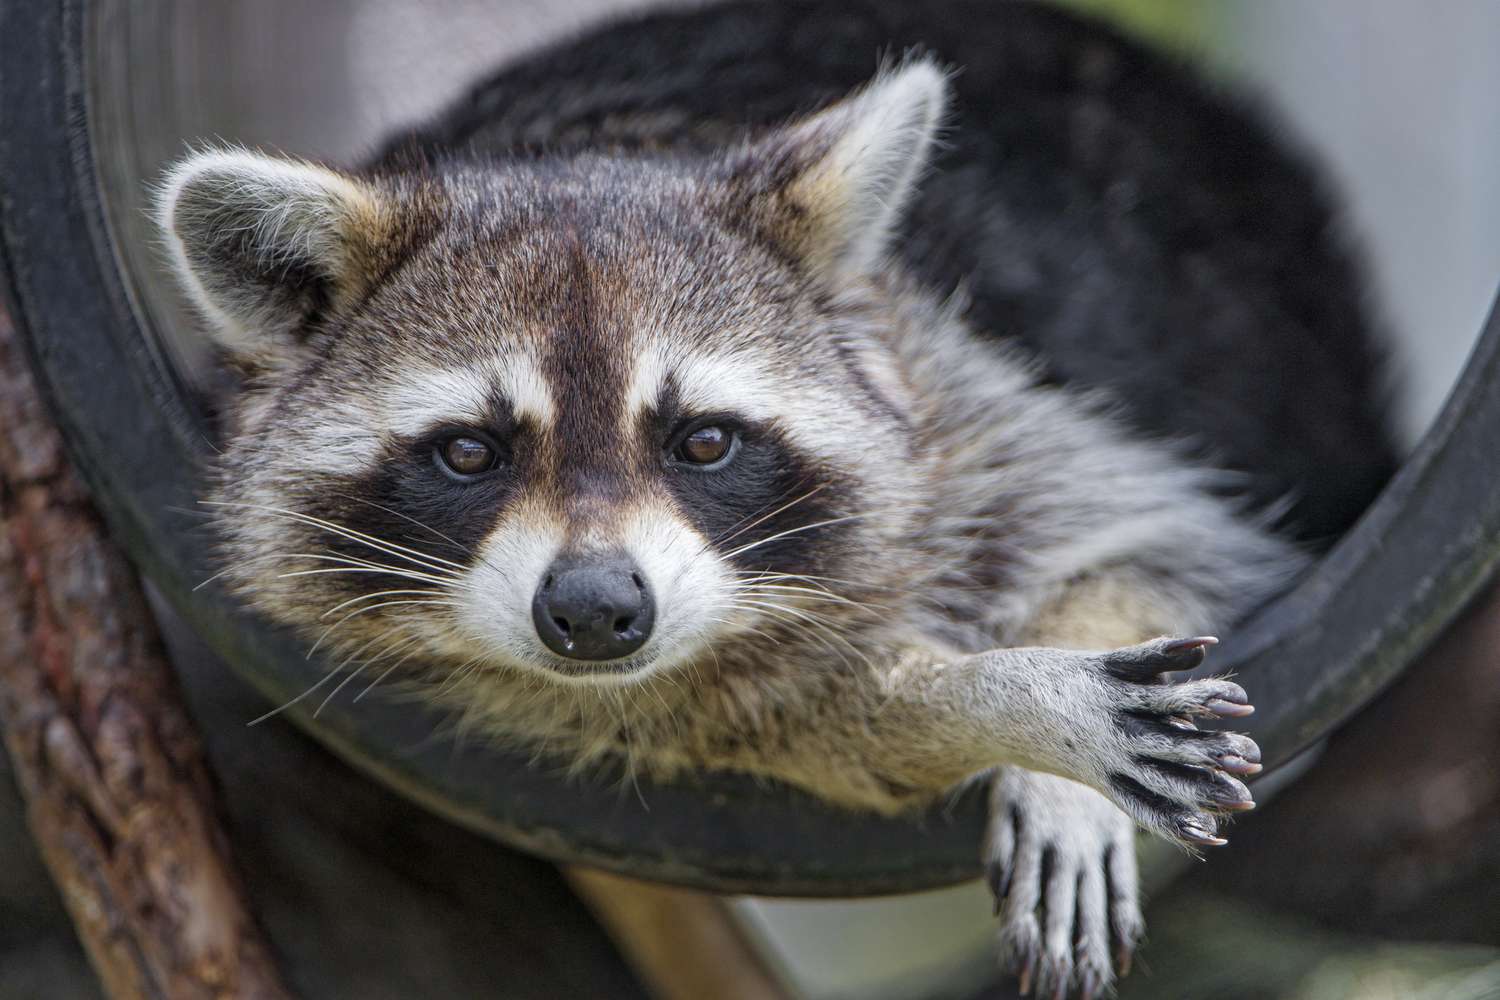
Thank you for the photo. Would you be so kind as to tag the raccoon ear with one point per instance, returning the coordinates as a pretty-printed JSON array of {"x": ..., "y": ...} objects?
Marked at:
[
  {"x": 264, "y": 246},
  {"x": 832, "y": 186}
]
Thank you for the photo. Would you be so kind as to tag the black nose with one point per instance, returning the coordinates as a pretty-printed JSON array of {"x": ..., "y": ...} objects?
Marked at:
[{"x": 593, "y": 608}]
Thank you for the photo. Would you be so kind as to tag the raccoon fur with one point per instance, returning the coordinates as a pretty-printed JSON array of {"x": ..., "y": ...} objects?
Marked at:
[{"x": 704, "y": 394}]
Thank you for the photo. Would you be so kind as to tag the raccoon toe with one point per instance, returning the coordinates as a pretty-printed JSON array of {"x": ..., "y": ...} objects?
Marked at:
[
  {"x": 1059, "y": 915},
  {"x": 1127, "y": 925},
  {"x": 1145, "y": 662},
  {"x": 1018, "y": 870},
  {"x": 1152, "y": 736},
  {"x": 1181, "y": 807},
  {"x": 1020, "y": 942},
  {"x": 1092, "y": 974},
  {"x": 1214, "y": 699},
  {"x": 1143, "y": 668}
]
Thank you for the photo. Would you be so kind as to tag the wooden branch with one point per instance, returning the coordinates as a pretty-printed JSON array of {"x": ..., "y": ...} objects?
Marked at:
[
  {"x": 683, "y": 944},
  {"x": 118, "y": 794}
]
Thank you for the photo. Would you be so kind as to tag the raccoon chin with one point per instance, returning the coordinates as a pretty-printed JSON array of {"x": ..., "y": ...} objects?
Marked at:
[
  {"x": 654, "y": 659},
  {"x": 604, "y": 673}
]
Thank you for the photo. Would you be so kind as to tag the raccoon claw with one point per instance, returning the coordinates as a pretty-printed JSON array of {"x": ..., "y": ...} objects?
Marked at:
[
  {"x": 1024, "y": 976},
  {"x": 1195, "y": 834},
  {"x": 1235, "y": 764},
  {"x": 1223, "y": 709}
]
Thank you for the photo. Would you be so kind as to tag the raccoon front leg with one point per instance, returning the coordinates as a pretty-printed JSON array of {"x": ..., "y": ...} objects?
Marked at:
[{"x": 1109, "y": 720}]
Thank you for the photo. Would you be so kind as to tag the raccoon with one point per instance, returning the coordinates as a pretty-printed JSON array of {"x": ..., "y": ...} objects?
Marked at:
[{"x": 704, "y": 394}]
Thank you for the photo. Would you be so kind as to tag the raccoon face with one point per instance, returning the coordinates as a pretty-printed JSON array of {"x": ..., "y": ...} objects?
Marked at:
[{"x": 584, "y": 417}]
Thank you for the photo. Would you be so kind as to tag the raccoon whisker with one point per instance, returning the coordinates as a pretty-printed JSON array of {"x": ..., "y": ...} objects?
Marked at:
[
  {"x": 407, "y": 517},
  {"x": 366, "y": 610},
  {"x": 791, "y": 583},
  {"x": 467, "y": 670},
  {"x": 386, "y": 570},
  {"x": 359, "y": 564},
  {"x": 739, "y": 527},
  {"x": 389, "y": 670},
  {"x": 807, "y": 632},
  {"x": 657, "y": 695},
  {"x": 803, "y": 614},
  {"x": 284, "y": 555},
  {"x": 668, "y": 680},
  {"x": 798, "y": 599},
  {"x": 817, "y": 594},
  {"x": 202, "y": 514},
  {"x": 379, "y": 593},
  {"x": 793, "y": 531},
  {"x": 766, "y": 576},
  {"x": 361, "y": 669},
  {"x": 789, "y": 618},
  {"x": 458, "y": 546},
  {"x": 330, "y": 675},
  {"x": 748, "y": 577},
  {"x": 399, "y": 631},
  {"x": 720, "y": 540},
  {"x": 431, "y": 562},
  {"x": 858, "y": 584},
  {"x": 457, "y": 673},
  {"x": 805, "y": 622},
  {"x": 221, "y": 573},
  {"x": 726, "y": 622},
  {"x": 286, "y": 705},
  {"x": 718, "y": 664},
  {"x": 814, "y": 591}
]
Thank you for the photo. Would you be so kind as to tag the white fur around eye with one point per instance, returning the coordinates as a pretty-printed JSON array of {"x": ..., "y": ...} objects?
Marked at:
[
  {"x": 422, "y": 399},
  {"x": 815, "y": 416}
]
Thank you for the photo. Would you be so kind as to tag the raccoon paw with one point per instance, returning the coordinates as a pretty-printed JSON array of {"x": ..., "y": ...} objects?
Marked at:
[
  {"x": 1060, "y": 860},
  {"x": 1173, "y": 778}
]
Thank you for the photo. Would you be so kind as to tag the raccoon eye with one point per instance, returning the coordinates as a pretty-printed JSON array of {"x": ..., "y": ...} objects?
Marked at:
[
  {"x": 465, "y": 456},
  {"x": 708, "y": 445}
]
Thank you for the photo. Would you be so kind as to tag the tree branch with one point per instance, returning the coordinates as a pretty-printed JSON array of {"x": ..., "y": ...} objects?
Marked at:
[{"x": 118, "y": 793}]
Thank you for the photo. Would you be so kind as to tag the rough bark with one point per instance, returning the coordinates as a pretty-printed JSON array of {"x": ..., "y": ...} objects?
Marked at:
[{"x": 117, "y": 792}]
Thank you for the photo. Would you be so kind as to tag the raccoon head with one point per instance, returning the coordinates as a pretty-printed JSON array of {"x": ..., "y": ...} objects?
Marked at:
[{"x": 583, "y": 416}]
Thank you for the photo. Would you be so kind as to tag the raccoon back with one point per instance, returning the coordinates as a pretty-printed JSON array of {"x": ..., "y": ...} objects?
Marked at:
[{"x": 1096, "y": 202}]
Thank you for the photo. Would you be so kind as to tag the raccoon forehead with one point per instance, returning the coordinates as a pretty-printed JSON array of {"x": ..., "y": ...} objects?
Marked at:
[
  {"x": 702, "y": 382},
  {"x": 814, "y": 409},
  {"x": 467, "y": 393}
]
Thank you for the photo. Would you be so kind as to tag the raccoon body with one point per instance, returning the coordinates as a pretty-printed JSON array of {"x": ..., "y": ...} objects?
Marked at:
[
  {"x": 1128, "y": 224},
  {"x": 648, "y": 405}
]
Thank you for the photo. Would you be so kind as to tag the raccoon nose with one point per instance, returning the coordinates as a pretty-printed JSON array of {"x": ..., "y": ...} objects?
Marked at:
[{"x": 593, "y": 608}]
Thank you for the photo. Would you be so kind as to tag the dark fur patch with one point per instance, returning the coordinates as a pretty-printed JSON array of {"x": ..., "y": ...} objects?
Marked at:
[
  {"x": 408, "y": 500},
  {"x": 1128, "y": 787},
  {"x": 767, "y": 489}
]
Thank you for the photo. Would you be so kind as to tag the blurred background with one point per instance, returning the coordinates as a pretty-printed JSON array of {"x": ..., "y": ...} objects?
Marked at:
[{"x": 1376, "y": 876}]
